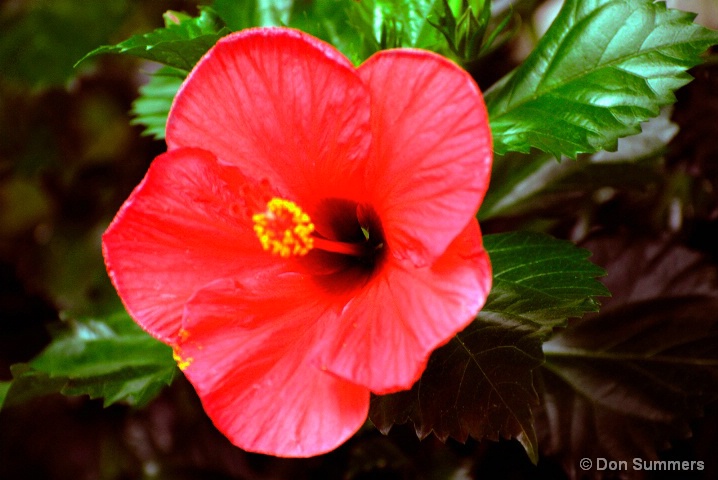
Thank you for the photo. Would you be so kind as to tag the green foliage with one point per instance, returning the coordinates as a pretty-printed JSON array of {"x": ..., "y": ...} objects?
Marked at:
[
  {"x": 465, "y": 27},
  {"x": 180, "y": 44},
  {"x": 153, "y": 105},
  {"x": 403, "y": 23},
  {"x": 630, "y": 60},
  {"x": 358, "y": 29},
  {"x": 111, "y": 359},
  {"x": 539, "y": 280},
  {"x": 481, "y": 383},
  {"x": 603, "y": 67}
]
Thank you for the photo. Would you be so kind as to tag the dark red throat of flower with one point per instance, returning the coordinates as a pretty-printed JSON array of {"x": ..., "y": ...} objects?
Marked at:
[{"x": 284, "y": 229}]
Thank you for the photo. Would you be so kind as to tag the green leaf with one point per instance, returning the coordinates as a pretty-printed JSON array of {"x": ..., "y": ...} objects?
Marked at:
[
  {"x": 153, "y": 105},
  {"x": 28, "y": 383},
  {"x": 626, "y": 382},
  {"x": 110, "y": 358},
  {"x": 178, "y": 45},
  {"x": 602, "y": 68},
  {"x": 480, "y": 384},
  {"x": 539, "y": 280}
]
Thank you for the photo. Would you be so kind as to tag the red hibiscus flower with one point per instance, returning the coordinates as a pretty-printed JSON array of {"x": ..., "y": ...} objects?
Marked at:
[{"x": 309, "y": 237}]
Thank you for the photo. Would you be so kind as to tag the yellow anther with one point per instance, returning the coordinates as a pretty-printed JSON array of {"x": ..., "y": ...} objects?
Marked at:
[
  {"x": 284, "y": 228},
  {"x": 182, "y": 363}
]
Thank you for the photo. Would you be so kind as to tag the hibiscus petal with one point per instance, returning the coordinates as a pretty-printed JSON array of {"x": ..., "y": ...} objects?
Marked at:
[
  {"x": 284, "y": 106},
  {"x": 384, "y": 337},
  {"x": 432, "y": 150},
  {"x": 250, "y": 347},
  {"x": 183, "y": 227}
]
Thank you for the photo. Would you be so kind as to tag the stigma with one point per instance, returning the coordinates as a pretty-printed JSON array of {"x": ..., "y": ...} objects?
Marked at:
[{"x": 284, "y": 229}]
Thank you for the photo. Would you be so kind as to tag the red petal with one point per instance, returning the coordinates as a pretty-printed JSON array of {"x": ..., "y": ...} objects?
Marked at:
[
  {"x": 181, "y": 228},
  {"x": 387, "y": 332},
  {"x": 432, "y": 150},
  {"x": 251, "y": 349},
  {"x": 282, "y": 105}
]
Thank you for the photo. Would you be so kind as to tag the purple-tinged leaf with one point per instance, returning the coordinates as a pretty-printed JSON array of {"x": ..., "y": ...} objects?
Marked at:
[
  {"x": 625, "y": 383},
  {"x": 479, "y": 384}
]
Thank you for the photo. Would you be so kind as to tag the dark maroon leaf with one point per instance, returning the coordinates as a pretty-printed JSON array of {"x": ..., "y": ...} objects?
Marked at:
[
  {"x": 479, "y": 385},
  {"x": 625, "y": 383}
]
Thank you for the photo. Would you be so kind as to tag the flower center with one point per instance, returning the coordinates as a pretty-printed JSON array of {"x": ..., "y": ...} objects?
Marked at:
[{"x": 284, "y": 228}]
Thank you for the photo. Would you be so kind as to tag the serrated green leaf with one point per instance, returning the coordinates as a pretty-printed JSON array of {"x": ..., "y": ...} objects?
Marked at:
[
  {"x": 110, "y": 358},
  {"x": 153, "y": 105},
  {"x": 540, "y": 280},
  {"x": 177, "y": 45},
  {"x": 28, "y": 383},
  {"x": 131, "y": 385},
  {"x": 602, "y": 68}
]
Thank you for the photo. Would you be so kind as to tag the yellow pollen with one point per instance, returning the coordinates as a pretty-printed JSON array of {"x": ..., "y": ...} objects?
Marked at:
[
  {"x": 182, "y": 363},
  {"x": 284, "y": 228}
]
